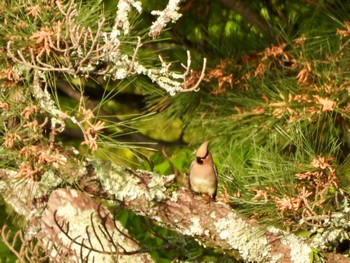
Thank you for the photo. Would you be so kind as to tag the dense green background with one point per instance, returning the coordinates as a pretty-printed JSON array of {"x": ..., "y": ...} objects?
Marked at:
[{"x": 252, "y": 150}]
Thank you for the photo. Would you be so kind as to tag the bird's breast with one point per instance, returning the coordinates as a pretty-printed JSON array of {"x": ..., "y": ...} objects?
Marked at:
[{"x": 203, "y": 179}]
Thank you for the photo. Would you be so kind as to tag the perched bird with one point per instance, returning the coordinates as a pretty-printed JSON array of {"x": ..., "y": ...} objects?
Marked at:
[{"x": 203, "y": 175}]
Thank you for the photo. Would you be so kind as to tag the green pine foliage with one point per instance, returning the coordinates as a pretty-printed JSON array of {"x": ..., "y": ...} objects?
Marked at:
[
  {"x": 275, "y": 109},
  {"x": 278, "y": 120}
]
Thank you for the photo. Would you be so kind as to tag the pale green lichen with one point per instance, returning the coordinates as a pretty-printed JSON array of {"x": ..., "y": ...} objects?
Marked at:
[
  {"x": 157, "y": 218},
  {"x": 299, "y": 250},
  {"x": 330, "y": 237},
  {"x": 156, "y": 188},
  {"x": 48, "y": 182},
  {"x": 194, "y": 228},
  {"x": 120, "y": 183},
  {"x": 335, "y": 230},
  {"x": 174, "y": 196},
  {"x": 116, "y": 181},
  {"x": 248, "y": 240},
  {"x": 17, "y": 192}
]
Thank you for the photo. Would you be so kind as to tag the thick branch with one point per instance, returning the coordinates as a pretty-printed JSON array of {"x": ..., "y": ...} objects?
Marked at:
[
  {"x": 83, "y": 229},
  {"x": 215, "y": 224}
]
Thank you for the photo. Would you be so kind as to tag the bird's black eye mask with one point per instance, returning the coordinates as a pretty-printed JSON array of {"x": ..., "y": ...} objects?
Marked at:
[{"x": 200, "y": 159}]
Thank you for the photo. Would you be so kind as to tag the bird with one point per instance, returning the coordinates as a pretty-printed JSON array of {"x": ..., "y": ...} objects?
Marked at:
[{"x": 203, "y": 175}]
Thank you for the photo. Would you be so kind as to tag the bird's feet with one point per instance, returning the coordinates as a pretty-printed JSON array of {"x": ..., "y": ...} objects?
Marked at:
[{"x": 208, "y": 199}]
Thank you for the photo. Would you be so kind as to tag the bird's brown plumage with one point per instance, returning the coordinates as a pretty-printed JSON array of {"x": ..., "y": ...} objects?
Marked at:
[{"x": 203, "y": 175}]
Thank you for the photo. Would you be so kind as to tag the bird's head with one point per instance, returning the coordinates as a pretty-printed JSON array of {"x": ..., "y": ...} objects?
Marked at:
[{"x": 203, "y": 153}]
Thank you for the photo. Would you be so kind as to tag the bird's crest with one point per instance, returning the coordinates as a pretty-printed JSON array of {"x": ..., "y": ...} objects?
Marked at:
[{"x": 202, "y": 151}]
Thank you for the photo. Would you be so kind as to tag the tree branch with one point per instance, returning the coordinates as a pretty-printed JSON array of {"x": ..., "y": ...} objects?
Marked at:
[{"x": 215, "y": 225}]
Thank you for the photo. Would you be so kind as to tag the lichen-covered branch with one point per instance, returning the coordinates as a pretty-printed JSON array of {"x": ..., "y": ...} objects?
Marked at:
[
  {"x": 97, "y": 50},
  {"x": 85, "y": 230},
  {"x": 70, "y": 218},
  {"x": 170, "y": 13},
  {"x": 216, "y": 225},
  {"x": 69, "y": 224}
]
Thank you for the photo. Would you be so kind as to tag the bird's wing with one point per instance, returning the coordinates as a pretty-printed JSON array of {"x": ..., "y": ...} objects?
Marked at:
[
  {"x": 217, "y": 180},
  {"x": 215, "y": 171}
]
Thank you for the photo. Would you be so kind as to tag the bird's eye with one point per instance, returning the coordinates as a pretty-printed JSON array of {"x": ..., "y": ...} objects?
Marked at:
[{"x": 199, "y": 160}]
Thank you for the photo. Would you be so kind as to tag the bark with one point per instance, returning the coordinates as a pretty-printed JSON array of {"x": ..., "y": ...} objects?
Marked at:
[{"x": 68, "y": 218}]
